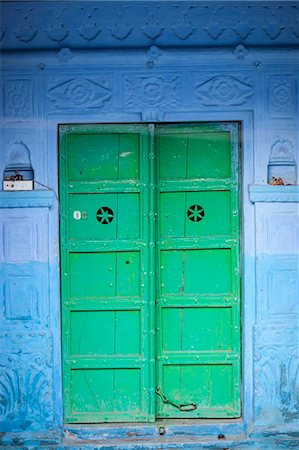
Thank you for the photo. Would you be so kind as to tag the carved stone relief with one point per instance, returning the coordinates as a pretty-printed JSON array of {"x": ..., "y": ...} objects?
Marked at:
[
  {"x": 151, "y": 91},
  {"x": 23, "y": 138},
  {"x": 174, "y": 23},
  {"x": 80, "y": 92},
  {"x": 282, "y": 163},
  {"x": 240, "y": 52},
  {"x": 214, "y": 30},
  {"x": 223, "y": 90},
  {"x": 64, "y": 55},
  {"x": 152, "y": 28},
  {"x": 273, "y": 28},
  {"x": 25, "y": 32},
  {"x": 282, "y": 96},
  {"x": 25, "y": 389},
  {"x": 152, "y": 55},
  {"x": 276, "y": 359},
  {"x": 18, "y": 99},
  {"x": 243, "y": 29},
  {"x": 121, "y": 29},
  {"x": 184, "y": 28},
  {"x": 57, "y": 33},
  {"x": 89, "y": 28}
]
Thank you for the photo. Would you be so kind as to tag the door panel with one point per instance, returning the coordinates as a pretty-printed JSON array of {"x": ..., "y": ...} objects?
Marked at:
[
  {"x": 105, "y": 261},
  {"x": 105, "y": 333},
  {"x": 198, "y": 294},
  {"x": 114, "y": 392},
  {"x": 188, "y": 382},
  {"x": 150, "y": 243},
  {"x": 205, "y": 271},
  {"x": 213, "y": 330},
  {"x": 179, "y": 158},
  {"x": 122, "y": 225},
  {"x": 215, "y": 204},
  {"x": 95, "y": 155}
]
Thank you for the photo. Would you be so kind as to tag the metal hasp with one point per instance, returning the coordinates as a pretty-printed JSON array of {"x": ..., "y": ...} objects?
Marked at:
[{"x": 151, "y": 279}]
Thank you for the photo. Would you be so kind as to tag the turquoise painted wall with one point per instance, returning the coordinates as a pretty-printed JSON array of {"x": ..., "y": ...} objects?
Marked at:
[{"x": 121, "y": 61}]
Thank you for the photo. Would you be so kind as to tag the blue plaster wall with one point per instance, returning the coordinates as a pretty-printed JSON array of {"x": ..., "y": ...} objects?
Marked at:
[{"x": 182, "y": 61}]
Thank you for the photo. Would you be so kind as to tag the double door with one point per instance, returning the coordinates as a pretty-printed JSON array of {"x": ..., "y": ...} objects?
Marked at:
[{"x": 150, "y": 271}]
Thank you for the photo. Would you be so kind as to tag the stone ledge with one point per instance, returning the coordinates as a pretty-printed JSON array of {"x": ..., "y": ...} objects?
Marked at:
[
  {"x": 268, "y": 193},
  {"x": 27, "y": 199}
]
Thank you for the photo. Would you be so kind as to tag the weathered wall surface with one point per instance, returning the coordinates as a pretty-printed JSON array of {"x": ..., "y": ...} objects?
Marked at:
[{"x": 99, "y": 65}]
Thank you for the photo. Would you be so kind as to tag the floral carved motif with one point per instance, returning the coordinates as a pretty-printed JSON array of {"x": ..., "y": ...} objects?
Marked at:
[
  {"x": 152, "y": 28},
  {"x": 282, "y": 96},
  {"x": 277, "y": 378},
  {"x": 243, "y": 29},
  {"x": 215, "y": 30},
  {"x": 80, "y": 92},
  {"x": 223, "y": 90},
  {"x": 25, "y": 389},
  {"x": 64, "y": 55},
  {"x": 184, "y": 28},
  {"x": 121, "y": 29},
  {"x": 26, "y": 33},
  {"x": 273, "y": 29},
  {"x": 121, "y": 32},
  {"x": 89, "y": 30},
  {"x": 240, "y": 52},
  {"x": 18, "y": 98},
  {"x": 152, "y": 91},
  {"x": 57, "y": 33},
  {"x": 144, "y": 21}
]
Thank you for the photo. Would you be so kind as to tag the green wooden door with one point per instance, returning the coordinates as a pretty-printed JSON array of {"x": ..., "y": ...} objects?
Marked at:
[
  {"x": 198, "y": 275},
  {"x": 139, "y": 202},
  {"x": 104, "y": 194}
]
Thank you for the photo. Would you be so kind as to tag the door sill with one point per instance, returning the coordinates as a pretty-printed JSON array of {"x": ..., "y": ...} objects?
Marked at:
[{"x": 163, "y": 427}]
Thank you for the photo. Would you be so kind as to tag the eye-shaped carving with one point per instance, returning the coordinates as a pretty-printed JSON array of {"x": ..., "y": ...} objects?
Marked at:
[
  {"x": 195, "y": 213},
  {"x": 104, "y": 215}
]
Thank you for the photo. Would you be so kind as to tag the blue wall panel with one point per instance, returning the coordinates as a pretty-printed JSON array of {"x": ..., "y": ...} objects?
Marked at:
[{"x": 26, "y": 385}]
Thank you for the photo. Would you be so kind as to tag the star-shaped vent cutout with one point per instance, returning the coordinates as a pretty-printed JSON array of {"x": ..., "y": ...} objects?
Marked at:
[
  {"x": 195, "y": 213},
  {"x": 104, "y": 215}
]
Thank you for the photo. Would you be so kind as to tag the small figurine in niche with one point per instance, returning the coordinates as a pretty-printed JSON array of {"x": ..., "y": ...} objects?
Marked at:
[{"x": 276, "y": 181}]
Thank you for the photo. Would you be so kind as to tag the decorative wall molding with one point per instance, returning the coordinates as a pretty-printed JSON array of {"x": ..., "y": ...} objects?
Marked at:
[
  {"x": 282, "y": 96},
  {"x": 113, "y": 24},
  {"x": 25, "y": 389},
  {"x": 152, "y": 91},
  {"x": 267, "y": 193},
  {"x": 27, "y": 199},
  {"x": 282, "y": 162},
  {"x": 223, "y": 90},
  {"x": 18, "y": 99},
  {"x": 276, "y": 374},
  {"x": 278, "y": 284},
  {"x": 80, "y": 93}
]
